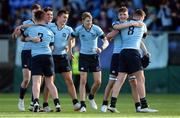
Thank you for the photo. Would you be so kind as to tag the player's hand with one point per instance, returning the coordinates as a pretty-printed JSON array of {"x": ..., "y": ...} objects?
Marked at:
[
  {"x": 67, "y": 48},
  {"x": 71, "y": 56},
  {"x": 137, "y": 24},
  {"x": 17, "y": 31},
  {"x": 98, "y": 50},
  {"x": 145, "y": 60},
  {"x": 36, "y": 39},
  {"x": 147, "y": 54},
  {"x": 14, "y": 36}
]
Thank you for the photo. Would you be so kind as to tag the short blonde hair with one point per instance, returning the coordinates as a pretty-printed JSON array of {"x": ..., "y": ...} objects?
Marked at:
[
  {"x": 139, "y": 12},
  {"x": 36, "y": 6},
  {"x": 85, "y": 15}
]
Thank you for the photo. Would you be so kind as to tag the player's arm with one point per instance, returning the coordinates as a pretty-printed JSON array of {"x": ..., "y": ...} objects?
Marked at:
[
  {"x": 71, "y": 44},
  {"x": 127, "y": 24},
  {"x": 51, "y": 45},
  {"x": 142, "y": 45},
  {"x": 105, "y": 44},
  {"x": 25, "y": 26},
  {"x": 143, "y": 48},
  {"x": 146, "y": 55},
  {"x": 20, "y": 34},
  {"x": 32, "y": 39},
  {"x": 71, "y": 40},
  {"x": 18, "y": 30},
  {"x": 112, "y": 34}
]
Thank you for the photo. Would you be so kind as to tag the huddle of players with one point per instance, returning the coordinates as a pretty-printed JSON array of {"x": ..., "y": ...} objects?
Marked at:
[{"x": 48, "y": 47}]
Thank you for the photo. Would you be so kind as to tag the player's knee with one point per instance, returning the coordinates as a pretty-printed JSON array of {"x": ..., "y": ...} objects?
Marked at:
[
  {"x": 112, "y": 77},
  {"x": 83, "y": 82},
  {"x": 132, "y": 80},
  {"x": 68, "y": 79},
  {"x": 26, "y": 82},
  {"x": 97, "y": 82}
]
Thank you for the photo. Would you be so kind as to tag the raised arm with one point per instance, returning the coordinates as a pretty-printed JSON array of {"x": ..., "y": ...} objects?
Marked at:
[
  {"x": 127, "y": 24},
  {"x": 112, "y": 34}
]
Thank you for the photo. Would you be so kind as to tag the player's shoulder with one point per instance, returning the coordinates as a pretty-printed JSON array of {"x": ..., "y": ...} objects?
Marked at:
[
  {"x": 96, "y": 27},
  {"x": 51, "y": 25},
  {"x": 78, "y": 28},
  {"x": 68, "y": 27},
  {"x": 29, "y": 21},
  {"x": 44, "y": 27},
  {"x": 116, "y": 22}
]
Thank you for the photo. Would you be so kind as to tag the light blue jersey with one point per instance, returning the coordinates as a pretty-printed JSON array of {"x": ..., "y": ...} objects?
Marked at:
[
  {"x": 88, "y": 38},
  {"x": 117, "y": 40},
  {"x": 46, "y": 36},
  {"x": 117, "y": 43},
  {"x": 132, "y": 36},
  {"x": 49, "y": 24},
  {"x": 27, "y": 45},
  {"x": 60, "y": 38}
]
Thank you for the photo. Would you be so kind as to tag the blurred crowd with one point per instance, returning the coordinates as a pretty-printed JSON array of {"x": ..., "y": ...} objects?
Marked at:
[{"x": 161, "y": 15}]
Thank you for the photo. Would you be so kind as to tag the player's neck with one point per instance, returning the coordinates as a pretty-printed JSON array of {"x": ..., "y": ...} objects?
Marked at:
[
  {"x": 33, "y": 19},
  {"x": 60, "y": 25},
  {"x": 87, "y": 27},
  {"x": 40, "y": 22}
]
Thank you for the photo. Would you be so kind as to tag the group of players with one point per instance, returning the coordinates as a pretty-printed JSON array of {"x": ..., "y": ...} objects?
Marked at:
[{"x": 48, "y": 50}]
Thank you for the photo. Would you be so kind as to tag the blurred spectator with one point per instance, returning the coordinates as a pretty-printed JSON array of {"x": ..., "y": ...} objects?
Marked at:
[
  {"x": 176, "y": 16},
  {"x": 161, "y": 14},
  {"x": 150, "y": 16},
  {"x": 4, "y": 17},
  {"x": 104, "y": 21},
  {"x": 164, "y": 14},
  {"x": 138, "y": 4}
]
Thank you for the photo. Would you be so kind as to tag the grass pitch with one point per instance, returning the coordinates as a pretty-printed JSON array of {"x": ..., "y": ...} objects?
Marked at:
[{"x": 167, "y": 104}]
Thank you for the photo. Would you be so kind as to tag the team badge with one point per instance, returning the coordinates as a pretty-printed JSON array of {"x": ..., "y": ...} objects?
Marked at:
[{"x": 64, "y": 34}]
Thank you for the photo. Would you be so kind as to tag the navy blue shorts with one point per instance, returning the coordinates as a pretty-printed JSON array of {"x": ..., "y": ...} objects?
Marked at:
[
  {"x": 26, "y": 59},
  {"x": 61, "y": 63},
  {"x": 42, "y": 65},
  {"x": 114, "y": 65},
  {"x": 130, "y": 61},
  {"x": 89, "y": 63}
]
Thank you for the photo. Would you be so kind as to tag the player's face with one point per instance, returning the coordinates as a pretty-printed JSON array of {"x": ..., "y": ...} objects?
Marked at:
[
  {"x": 142, "y": 18},
  {"x": 49, "y": 16},
  {"x": 139, "y": 17},
  {"x": 123, "y": 16},
  {"x": 87, "y": 22},
  {"x": 63, "y": 19}
]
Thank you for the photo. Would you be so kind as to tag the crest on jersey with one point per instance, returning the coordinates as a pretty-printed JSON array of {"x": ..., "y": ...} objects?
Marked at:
[
  {"x": 82, "y": 35},
  {"x": 64, "y": 34},
  {"x": 93, "y": 34}
]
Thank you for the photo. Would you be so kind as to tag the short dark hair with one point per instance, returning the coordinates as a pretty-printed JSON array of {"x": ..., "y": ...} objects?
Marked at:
[
  {"x": 48, "y": 9},
  {"x": 139, "y": 12},
  {"x": 39, "y": 15},
  {"x": 123, "y": 9},
  {"x": 36, "y": 6},
  {"x": 62, "y": 11}
]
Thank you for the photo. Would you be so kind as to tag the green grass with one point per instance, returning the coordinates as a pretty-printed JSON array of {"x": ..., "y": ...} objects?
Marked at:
[{"x": 167, "y": 104}]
